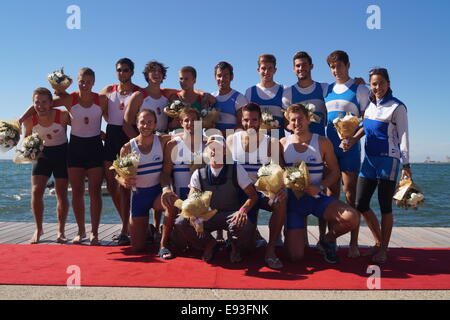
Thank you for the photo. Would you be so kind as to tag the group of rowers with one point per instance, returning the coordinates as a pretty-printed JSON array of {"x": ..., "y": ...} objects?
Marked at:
[{"x": 166, "y": 170}]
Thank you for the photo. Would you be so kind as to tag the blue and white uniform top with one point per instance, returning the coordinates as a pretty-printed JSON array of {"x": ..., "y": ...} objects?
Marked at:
[
  {"x": 181, "y": 166},
  {"x": 117, "y": 104},
  {"x": 386, "y": 129},
  {"x": 150, "y": 164},
  {"x": 270, "y": 99},
  {"x": 342, "y": 98},
  {"x": 312, "y": 157},
  {"x": 228, "y": 104},
  {"x": 85, "y": 122},
  {"x": 251, "y": 161},
  {"x": 157, "y": 105},
  {"x": 314, "y": 95}
]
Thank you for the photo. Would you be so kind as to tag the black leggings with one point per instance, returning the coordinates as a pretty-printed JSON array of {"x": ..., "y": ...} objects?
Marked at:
[{"x": 365, "y": 189}]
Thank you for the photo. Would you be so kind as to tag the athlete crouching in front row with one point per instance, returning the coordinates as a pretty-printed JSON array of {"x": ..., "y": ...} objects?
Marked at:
[
  {"x": 149, "y": 147},
  {"x": 316, "y": 151}
]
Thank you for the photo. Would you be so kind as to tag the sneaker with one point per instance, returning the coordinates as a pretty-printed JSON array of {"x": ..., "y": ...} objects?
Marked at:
[
  {"x": 123, "y": 240},
  {"x": 279, "y": 243},
  {"x": 319, "y": 247},
  {"x": 329, "y": 251},
  {"x": 261, "y": 243}
]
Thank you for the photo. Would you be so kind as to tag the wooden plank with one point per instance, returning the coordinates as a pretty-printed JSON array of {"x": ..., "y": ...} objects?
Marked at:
[
  {"x": 21, "y": 232},
  {"x": 24, "y": 239},
  {"x": 432, "y": 236},
  {"x": 10, "y": 226},
  {"x": 417, "y": 240},
  {"x": 5, "y": 225},
  {"x": 22, "y": 229},
  {"x": 441, "y": 231}
]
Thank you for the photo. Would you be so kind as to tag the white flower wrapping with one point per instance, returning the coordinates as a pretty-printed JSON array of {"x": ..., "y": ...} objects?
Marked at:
[
  {"x": 197, "y": 206},
  {"x": 126, "y": 166},
  {"x": 59, "y": 81},
  {"x": 270, "y": 181},
  {"x": 174, "y": 107},
  {"x": 209, "y": 117},
  {"x": 346, "y": 126},
  {"x": 408, "y": 195},
  {"x": 30, "y": 149},
  {"x": 268, "y": 122},
  {"x": 9, "y": 134}
]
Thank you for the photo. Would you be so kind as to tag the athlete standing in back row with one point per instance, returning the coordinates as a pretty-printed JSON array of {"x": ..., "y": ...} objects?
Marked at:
[
  {"x": 267, "y": 93},
  {"x": 345, "y": 96},
  {"x": 118, "y": 96},
  {"x": 386, "y": 129}
]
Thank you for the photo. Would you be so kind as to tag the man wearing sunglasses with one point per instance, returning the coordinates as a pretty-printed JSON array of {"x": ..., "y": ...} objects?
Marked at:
[{"x": 118, "y": 96}]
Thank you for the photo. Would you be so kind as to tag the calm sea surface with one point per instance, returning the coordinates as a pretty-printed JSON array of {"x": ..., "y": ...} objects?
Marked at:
[{"x": 434, "y": 179}]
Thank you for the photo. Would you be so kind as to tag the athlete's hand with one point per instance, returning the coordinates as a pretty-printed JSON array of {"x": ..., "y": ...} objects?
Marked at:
[
  {"x": 312, "y": 190},
  {"x": 406, "y": 173},
  {"x": 281, "y": 196},
  {"x": 239, "y": 219},
  {"x": 359, "y": 81},
  {"x": 168, "y": 198},
  {"x": 346, "y": 144},
  {"x": 128, "y": 183}
]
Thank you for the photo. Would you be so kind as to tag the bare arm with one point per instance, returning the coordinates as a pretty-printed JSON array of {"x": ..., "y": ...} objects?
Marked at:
[
  {"x": 330, "y": 159},
  {"x": 129, "y": 118},
  {"x": 241, "y": 216},
  {"x": 28, "y": 125}
]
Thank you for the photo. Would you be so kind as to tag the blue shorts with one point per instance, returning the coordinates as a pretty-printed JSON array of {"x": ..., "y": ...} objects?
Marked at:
[
  {"x": 349, "y": 161},
  {"x": 298, "y": 209},
  {"x": 253, "y": 213},
  {"x": 142, "y": 200},
  {"x": 385, "y": 168}
]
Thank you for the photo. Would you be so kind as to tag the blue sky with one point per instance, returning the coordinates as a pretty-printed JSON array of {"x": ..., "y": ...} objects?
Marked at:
[{"x": 413, "y": 43}]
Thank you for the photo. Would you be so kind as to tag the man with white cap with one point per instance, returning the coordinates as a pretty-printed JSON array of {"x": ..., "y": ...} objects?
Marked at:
[{"x": 233, "y": 195}]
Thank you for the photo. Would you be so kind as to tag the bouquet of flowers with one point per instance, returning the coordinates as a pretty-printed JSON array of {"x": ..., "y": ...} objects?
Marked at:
[
  {"x": 59, "y": 81},
  {"x": 30, "y": 149},
  {"x": 174, "y": 107},
  {"x": 270, "y": 181},
  {"x": 312, "y": 116},
  {"x": 197, "y": 206},
  {"x": 9, "y": 134},
  {"x": 297, "y": 178},
  {"x": 126, "y": 166},
  {"x": 346, "y": 126},
  {"x": 209, "y": 116},
  {"x": 268, "y": 122},
  {"x": 408, "y": 195}
]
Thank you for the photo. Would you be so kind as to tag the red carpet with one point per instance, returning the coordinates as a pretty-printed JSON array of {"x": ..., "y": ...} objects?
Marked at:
[{"x": 118, "y": 266}]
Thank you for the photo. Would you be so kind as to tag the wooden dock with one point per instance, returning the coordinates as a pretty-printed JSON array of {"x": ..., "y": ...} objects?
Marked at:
[{"x": 406, "y": 237}]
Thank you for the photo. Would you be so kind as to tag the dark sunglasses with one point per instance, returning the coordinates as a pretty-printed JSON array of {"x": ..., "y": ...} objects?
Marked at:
[{"x": 123, "y": 70}]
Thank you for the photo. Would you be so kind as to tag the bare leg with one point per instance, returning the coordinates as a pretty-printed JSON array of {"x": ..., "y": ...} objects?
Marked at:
[
  {"x": 322, "y": 228},
  {"x": 342, "y": 218},
  {"x": 112, "y": 185},
  {"x": 349, "y": 180},
  {"x": 38, "y": 184},
  {"x": 125, "y": 195},
  {"x": 95, "y": 179},
  {"x": 76, "y": 180},
  {"x": 295, "y": 245},
  {"x": 387, "y": 222},
  {"x": 138, "y": 232},
  {"x": 374, "y": 226},
  {"x": 62, "y": 207},
  {"x": 275, "y": 225}
]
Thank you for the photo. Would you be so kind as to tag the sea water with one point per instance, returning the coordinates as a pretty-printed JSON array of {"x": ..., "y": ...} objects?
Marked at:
[{"x": 434, "y": 179}]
